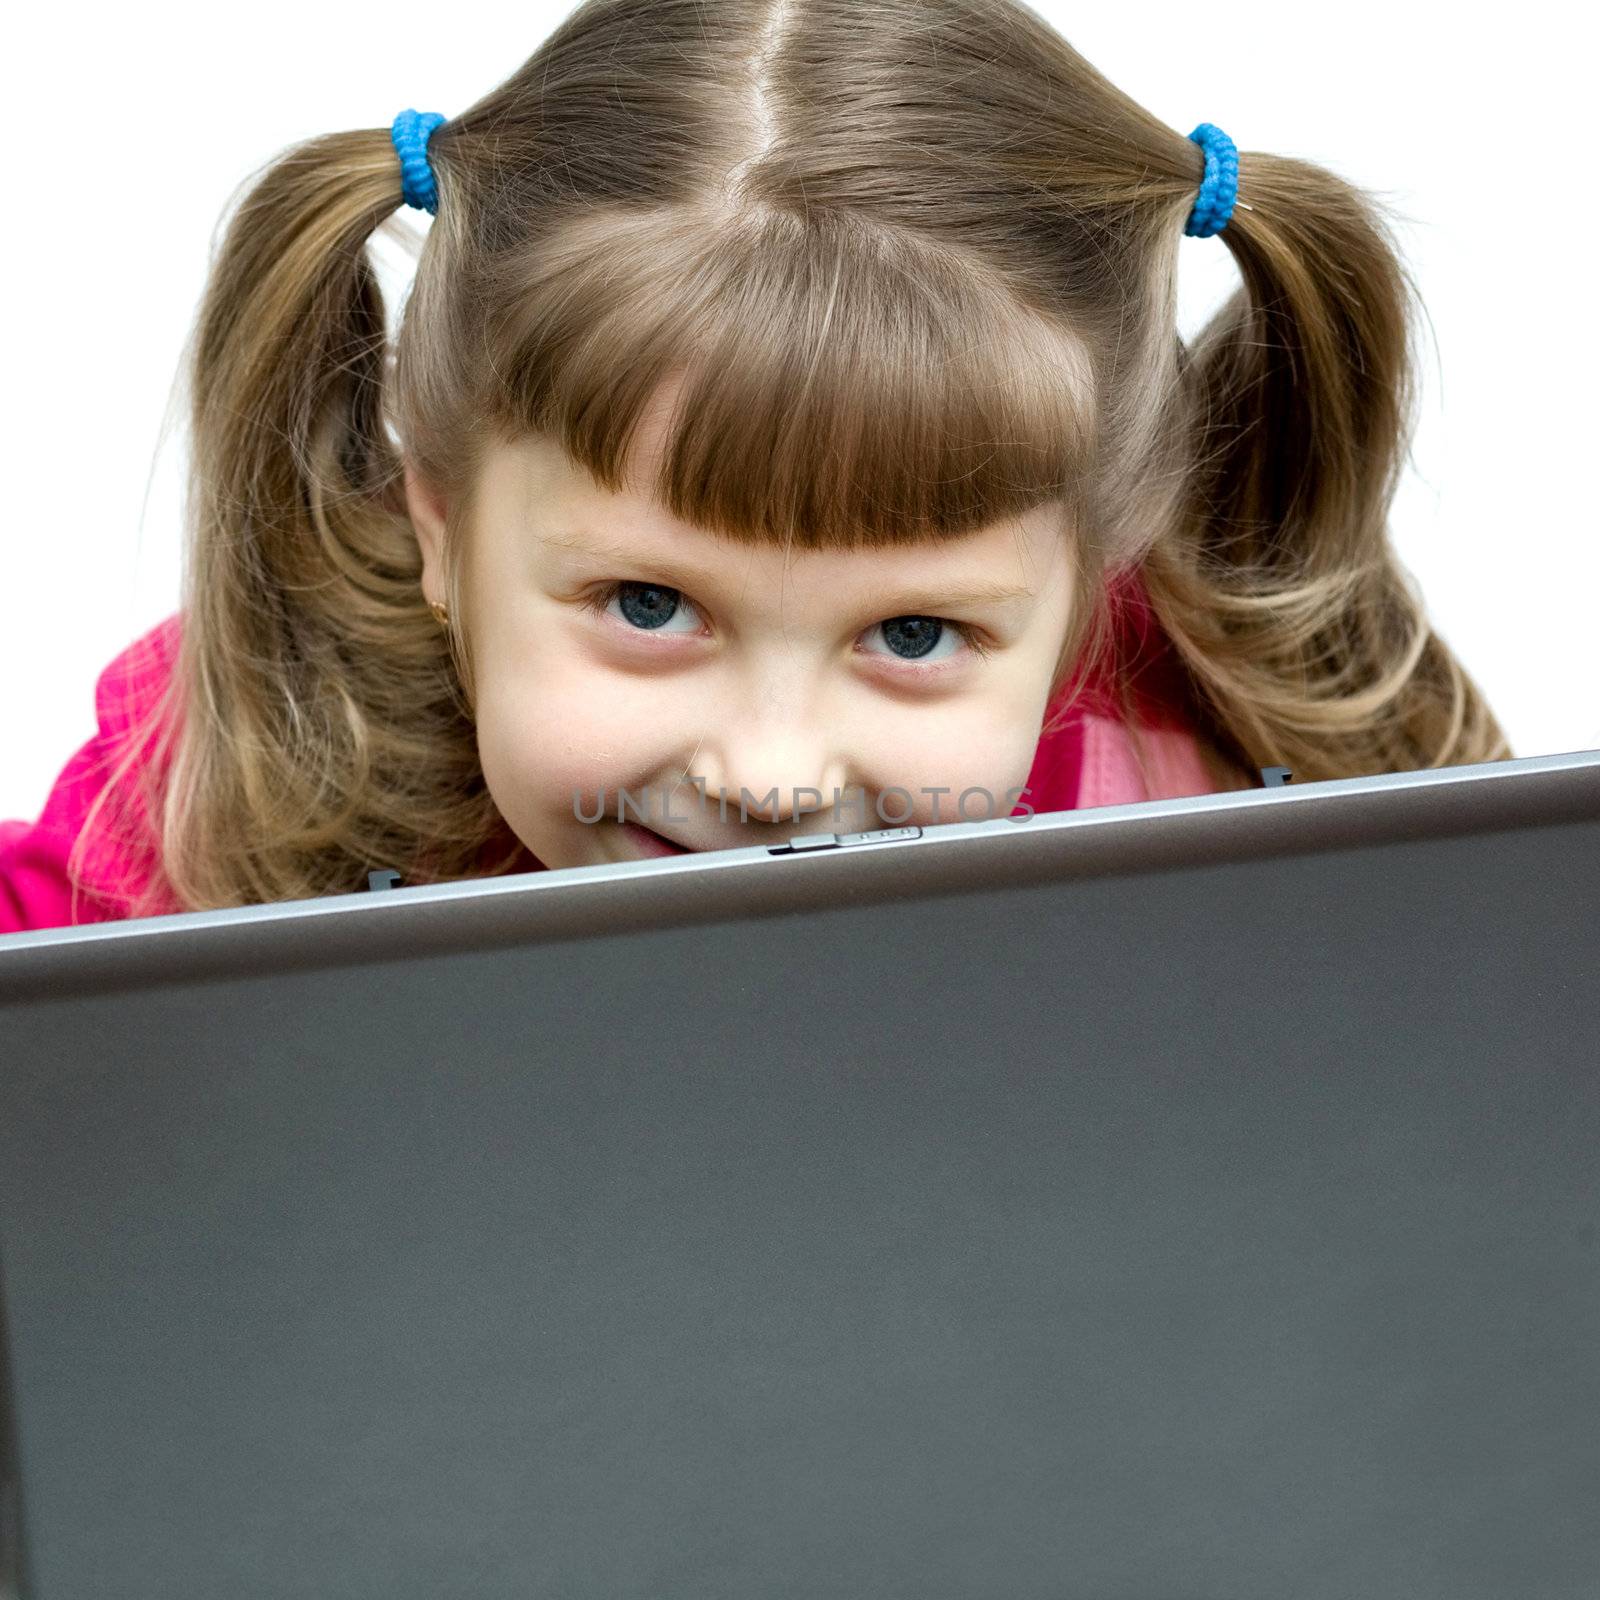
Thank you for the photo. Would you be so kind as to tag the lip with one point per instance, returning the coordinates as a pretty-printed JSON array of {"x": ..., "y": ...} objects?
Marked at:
[{"x": 649, "y": 843}]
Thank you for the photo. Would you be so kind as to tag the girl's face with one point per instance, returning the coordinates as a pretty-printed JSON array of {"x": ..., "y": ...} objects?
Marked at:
[{"x": 618, "y": 649}]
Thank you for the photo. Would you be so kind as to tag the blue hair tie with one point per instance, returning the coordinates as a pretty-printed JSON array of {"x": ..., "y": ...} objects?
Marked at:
[
  {"x": 409, "y": 132},
  {"x": 1220, "y": 188}
]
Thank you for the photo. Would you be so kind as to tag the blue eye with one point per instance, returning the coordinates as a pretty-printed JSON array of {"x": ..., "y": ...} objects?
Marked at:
[
  {"x": 646, "y": 606},
  {"x": 650, "y": 607},
  {"x": 912, "y": 638}
]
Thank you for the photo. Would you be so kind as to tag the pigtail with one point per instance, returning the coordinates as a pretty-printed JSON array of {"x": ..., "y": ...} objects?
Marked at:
[
  {"x": 1307, "y": 639},
  {"x": 326, "y": 731}
]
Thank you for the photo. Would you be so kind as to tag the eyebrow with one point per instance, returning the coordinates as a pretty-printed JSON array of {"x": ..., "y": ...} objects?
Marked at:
[{"x": 906, "y": 602}]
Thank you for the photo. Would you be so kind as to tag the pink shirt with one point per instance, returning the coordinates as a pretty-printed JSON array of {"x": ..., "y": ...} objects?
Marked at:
[{"x": 1086, "y": 762}]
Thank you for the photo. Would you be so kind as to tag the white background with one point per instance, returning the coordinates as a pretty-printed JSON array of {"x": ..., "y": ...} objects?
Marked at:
[{"x": 128, "y": 129}]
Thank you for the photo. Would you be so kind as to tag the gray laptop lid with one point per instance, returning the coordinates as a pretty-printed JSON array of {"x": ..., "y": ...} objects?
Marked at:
[{"x": 1183, "y": 1201}]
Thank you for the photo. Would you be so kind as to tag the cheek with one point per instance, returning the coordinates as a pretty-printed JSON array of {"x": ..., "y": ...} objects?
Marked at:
[
  {"x": 987, "y": 746},
  {"x": 555, "y": 727}
]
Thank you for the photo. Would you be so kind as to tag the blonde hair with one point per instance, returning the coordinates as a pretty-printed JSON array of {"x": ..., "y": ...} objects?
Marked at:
[{"x": 914, "y": 264}]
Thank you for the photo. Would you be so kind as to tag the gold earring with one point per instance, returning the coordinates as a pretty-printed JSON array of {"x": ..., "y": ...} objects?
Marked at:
[{"x": 441, "y": 613}]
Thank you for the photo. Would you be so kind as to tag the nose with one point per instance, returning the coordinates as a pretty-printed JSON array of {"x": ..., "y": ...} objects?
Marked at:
[{"x": 775, "y": 768}]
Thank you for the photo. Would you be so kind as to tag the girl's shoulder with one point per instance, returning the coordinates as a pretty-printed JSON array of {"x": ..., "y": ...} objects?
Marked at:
[
  {"x": 1086, "y": 755},
  {"x": 1182, "y": 760},
  {"x": 122, "y": 764}
]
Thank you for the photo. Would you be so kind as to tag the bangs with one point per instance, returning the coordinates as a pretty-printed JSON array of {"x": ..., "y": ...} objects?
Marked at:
[{"x": 823, "y": 387}]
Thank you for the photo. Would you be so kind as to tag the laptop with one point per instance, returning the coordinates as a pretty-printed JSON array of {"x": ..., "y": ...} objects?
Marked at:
[{"x": 1190, "y": 1200}]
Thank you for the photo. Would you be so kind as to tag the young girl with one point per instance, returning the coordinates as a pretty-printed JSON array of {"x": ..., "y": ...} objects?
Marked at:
[{"x": 789, "y": 402}]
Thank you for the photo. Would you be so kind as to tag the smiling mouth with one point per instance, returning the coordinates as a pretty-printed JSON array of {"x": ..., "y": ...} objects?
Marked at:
[{"x": 649, "y": 842}]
